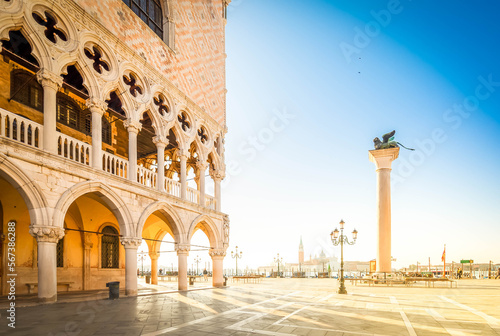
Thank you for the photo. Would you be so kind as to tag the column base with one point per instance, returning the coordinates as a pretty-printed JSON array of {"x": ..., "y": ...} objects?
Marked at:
[
  {"x": 48, "y": 300},
  {"x": 129, "y": 292}
]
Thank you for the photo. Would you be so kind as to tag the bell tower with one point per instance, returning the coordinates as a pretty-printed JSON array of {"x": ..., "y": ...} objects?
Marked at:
[{"x": 301, "y": 252}]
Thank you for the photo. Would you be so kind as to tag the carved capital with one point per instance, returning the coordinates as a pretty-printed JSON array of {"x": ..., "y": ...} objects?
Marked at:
[
  {"x": 49, "y": 79},
  {"x": 131, "y": 242},
  {"x": 182, "y": 248},
  {"x": 226, "y": 228},
  {"x": 183, "y": 153},
  {"x": 217, "y": 253},
  {"x": 217, "y": 174},
  {"x": 201, "y": 165},
  {"x": 132, "y": 125},
  {"x": 88, "y": 240},
  {"x": 160, "y": 141},
  {"x": 96, "y": 105},
  {"x": 154, "y": 255},
  {"x": 46, "y": 234}
]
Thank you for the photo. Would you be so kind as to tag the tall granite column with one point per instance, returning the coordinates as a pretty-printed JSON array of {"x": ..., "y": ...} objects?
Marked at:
[{"x": 383, "y": 159}]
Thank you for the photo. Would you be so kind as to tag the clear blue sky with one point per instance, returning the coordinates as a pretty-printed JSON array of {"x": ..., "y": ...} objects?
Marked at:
[{"x": 419, "y": 67}]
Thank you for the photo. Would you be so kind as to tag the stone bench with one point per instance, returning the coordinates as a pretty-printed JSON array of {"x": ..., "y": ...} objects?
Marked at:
[{"x": 31, "y": 285}]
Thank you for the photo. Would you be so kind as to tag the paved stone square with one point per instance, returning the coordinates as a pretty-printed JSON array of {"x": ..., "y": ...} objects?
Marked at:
[{"x": 277, "y": 307}]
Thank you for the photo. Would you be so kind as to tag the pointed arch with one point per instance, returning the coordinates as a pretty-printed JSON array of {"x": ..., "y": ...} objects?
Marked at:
[
  {"x": 208, "y": 226},
  {"x": 175, "y": 222},
  {"x": 29, "y": 191},
  {"x": 109, "y": 197}
]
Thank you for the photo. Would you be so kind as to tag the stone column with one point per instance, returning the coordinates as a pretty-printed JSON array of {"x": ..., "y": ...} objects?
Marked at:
[
  {"x": 217, "y": 264},
  {"x": 202, "y": 167},
  {"x": 97, "y": 108},
  {"x": 383, "y": 159},
  {"x": 160, "y": 143},
  {"x": 217, "y": 176},
  {"x": 183, "y": 156},
  {"x": 154, "y": 267},
  {"x": 133, "y": 127},
  {"x": 51, "y": 83},
  {"x": 87, "y": 248},
  {"x": 131, "y": 245},
  {"x": 182, "y": 254},
  {"x": 47, "y": 238}
]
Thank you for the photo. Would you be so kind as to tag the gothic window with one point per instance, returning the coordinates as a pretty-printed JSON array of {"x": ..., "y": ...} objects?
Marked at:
[
  {"x": 150, "y": 12},
  {"x": 68, "y": 113},
  {"x": 60, "y": 252},
  {"x": 25, "y": 89},
  {"x": 109, "y": 247}
]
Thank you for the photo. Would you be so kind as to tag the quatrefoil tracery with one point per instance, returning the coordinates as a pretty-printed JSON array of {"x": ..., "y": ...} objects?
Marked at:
[
  {"x": 183, "y": 120},
  {"x": 96, "y": 56},
  {"x": 51, "y": 29},
  {"x": 134, "y": 88},
  {"x": 159, "y": 101},
  {"x": 202, "y": 134}
]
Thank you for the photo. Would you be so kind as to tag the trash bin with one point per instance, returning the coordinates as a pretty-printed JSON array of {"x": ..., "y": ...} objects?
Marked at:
[
  {"x": 114, "y": 289},
  {"x": 191, "y": 280},
  {"x": 148, "y": 278},
  {"x": 225, "y": 281}
]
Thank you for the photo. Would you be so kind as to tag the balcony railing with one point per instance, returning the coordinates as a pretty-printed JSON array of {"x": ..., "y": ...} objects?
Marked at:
[{"x": 23, "y": 130}]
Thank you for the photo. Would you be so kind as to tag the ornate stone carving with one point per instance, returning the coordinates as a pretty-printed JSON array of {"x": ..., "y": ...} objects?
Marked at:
[
  {"x": 201, "y": 165},
  {"x": 182, "y": 248},
  {"x": 217, "y": 253},
  {"x": 47, "y": 234},
  {"x": 132, "y": 125},
  {"x": 160, "y": 140},
  {"x": 131, "y": 242},
  {"x": 226, "y": 228},
  {"x": 96, "y": 105},
  {"x": 49, "y": 79},
  {"x": 217, "y": 174}
]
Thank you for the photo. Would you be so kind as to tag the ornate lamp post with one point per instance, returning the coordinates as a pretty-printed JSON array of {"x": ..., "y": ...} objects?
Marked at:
[
  {"x": 278, "y": 260},
  {"x": 236, "y": 256},
  {"x": 342, "y": 239},
  {"x": 197, "y": 261},
  {"x": 142, "y": 256}
]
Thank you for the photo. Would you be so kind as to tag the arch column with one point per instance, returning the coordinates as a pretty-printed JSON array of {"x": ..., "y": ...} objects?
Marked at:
[
  {"x": 182, "y": 254},
  {"x": 51, "y": 83},
  {"x": 202, "y": 167},
  {"x": 97, "y": 108},
  {"x": 47, "y": 238},
  {"x": 133, "y": 127},
  {"x": 217, "y": 264},
  {"x": 154, "y": 267},
  {"x": 217, "y": 176},
  {"x": 160, "y": 143},
  {"x": 131, "y": 245},
  {"x": 183, "y": 156}
]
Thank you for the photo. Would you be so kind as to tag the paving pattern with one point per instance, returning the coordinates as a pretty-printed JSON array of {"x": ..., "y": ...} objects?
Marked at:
[{"x": 278, "y": 307}]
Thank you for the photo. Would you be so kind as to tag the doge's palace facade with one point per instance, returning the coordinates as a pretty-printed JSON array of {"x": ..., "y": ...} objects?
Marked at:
[{"x": 109, "y": 109}]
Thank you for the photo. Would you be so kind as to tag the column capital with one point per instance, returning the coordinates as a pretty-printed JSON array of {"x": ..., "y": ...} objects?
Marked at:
[
  {"x": 88, "y": 240},
  {"x": 46, "y": 234},
  {"x": 96, "y": 105},
  {"x": 383, "y": 157},
  {"x": 181, "y": 152},
  {"x": 226, "y": 228},
  {"x": 182, "y": 248},
  {"x": 217, "y": 174},
  {"x": 201, "y": 165},
  {"x": 154, "y": 255},
  {"x": 160, "y": 141},
  {"x": 217, "y": 253},
  {"x": 132, "y": 125},
  {"x": 49, "y": 79},
  {"x": 131, "y": 242}
]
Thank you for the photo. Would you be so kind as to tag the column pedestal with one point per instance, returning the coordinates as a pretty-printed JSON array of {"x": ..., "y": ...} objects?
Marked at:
[
  {"x": 47, "y": 238},
  {"x": 383, "y": 159},
  {"x": 131, "y": 245}
]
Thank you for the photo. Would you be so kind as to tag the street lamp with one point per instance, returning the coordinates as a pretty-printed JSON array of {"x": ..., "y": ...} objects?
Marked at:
[
  {"x": 236, "y": 256},
  {"x": 197, "y": 261},
  {"x": 342, "y": 239},
  {"x": 278, "y": 260},
  {"x": 142, "y": 256}
]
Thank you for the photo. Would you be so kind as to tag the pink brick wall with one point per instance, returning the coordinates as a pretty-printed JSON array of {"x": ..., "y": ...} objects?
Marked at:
[{"x": 198, "y": 65}]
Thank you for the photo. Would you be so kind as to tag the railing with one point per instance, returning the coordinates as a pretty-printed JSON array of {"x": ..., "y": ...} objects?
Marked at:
[
  {"x": 210, "y": 202},
  {"x": 172, "y": 187},
  {"x": 114, "y": 164},
  {"x": 19, "y": 128},
  {"x": 193, "y": 195},
  {"x": 73, "y": 149},
  {"x": 146, "y": 177}
]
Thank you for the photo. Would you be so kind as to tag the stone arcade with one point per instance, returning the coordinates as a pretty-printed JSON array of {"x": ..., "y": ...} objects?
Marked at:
[{"x": 97, "y": 97}]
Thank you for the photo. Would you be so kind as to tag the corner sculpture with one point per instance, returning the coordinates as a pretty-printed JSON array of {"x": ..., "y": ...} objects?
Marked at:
[{"x": 388, "y": 142}]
